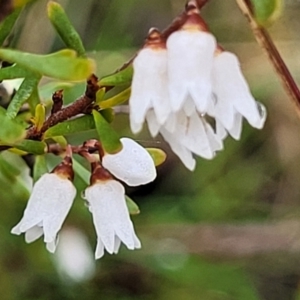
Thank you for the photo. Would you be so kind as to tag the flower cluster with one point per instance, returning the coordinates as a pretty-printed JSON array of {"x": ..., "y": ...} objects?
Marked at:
[
  {"x": 180, "y": 83},
  {"x": 53, "y": 194}
]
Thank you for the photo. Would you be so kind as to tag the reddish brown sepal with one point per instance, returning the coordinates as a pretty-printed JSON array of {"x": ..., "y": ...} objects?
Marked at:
[{"x": 99, "y": 173}]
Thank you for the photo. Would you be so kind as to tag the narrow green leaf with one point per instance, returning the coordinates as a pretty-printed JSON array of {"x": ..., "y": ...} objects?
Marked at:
[
  {"x": 267, "y": 11},
  {"x": 62, "y": 65},
  {"x": 116, "y": 100},
  {"x": 158, "y": 155},
  {"x": 7, "y": 25},
  {"x": 39, "y": 116},
  {"x": 108, "y": 137},
  {"x": 81, "y": 171},
  {"x": 108, "y": 114},
  {"x": 22, "y": 95},
  {"x": 120, "y": 78},
  {"x": 10, "y": 130},
  {"x": 65, "y": 29},
  {"x": 40, "y": 167},
  {"x": 80, "y": 124},
  {"x": 132, "y": 206},
  {"x": 100, "y": 95},
  {"x": 33, "y": 147},
  {"x": 14, "y": 72},
  {"x": 34, "y": 100},
  {"x": 60, "y": 140}
]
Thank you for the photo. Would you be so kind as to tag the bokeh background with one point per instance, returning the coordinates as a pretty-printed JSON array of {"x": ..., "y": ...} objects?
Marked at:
[{"x": 230, "y": 230}]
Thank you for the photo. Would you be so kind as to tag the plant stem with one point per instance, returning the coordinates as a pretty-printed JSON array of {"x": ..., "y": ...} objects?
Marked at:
[{"x": 265, "y": 41}]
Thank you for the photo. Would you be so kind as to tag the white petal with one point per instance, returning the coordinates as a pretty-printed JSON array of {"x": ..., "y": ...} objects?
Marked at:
[
  {"x": 117, "y": 244},
  {"x": 110, "y": 216},
  {"x": 133, "y": 164},
  {"x": 149, "y": 86},
  {"x": 215, "y": 141},
  {"x": 182, "y": 152},
  {"x": 153, "y": 125},
  {"x": 236, "y": 129},
  {"x": 190, "y": 59},
  {"x": 48, "y": 206},
  {"x": 51, "y": 246},
  {"x": 232, "y": 89},
  {"x": 33, "y": 234},
  {"x": 99, "y": 249}
]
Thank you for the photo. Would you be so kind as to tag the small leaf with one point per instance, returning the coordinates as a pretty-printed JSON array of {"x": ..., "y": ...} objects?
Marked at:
[
  {"x": 80, "y": 124},
  {"x": 10, "y": 130},
  {"x": 22, "y": 95},
  {"x": 108, "y": 114},
  {"x": 116, "y": 100},
  {"x": 100, "y": 95},
  {"x": 40, "y": 167},
  {"x": 60, "y": 140},
  {"x": 65, "y": 29},
  {"x": 62, "y": 65},
  {"x": 33, "y": 147},
  {"x": 267, "y": 11},
  {"x": 119, "y": 78},
  {"x": 81, "y": 171},
  {"x": 108, "y": 137},
  {"x": 132, "y": 206},
  {"x": 7, "y": 25},
  {"x": 158, "y": 155},
  {"x": 40, "y": 116}
]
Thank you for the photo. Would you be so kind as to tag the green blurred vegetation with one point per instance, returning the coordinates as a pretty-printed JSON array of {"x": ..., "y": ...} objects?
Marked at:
[{"x": 248, "y": 195}]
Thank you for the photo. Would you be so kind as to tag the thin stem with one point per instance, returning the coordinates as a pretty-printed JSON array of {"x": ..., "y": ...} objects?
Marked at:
[{"x": 265, "y": 41}]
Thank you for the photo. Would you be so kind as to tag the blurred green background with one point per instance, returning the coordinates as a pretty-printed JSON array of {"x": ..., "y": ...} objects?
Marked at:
[{"x": 228, "y": 231}]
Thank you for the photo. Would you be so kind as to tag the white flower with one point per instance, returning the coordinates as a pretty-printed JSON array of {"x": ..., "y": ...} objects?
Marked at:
[
  {"x": 106, "y": 196},
  {"x": 233, "y": 98},
  {"x": 51, "y": 199},
  {"x": 190, "y": 60},
  {"x": 133, "y": 164},
  {"x": 74, "y": 257},
  {"x": 149, "y": 86},
  {"x": 111, "y": 217},
  {"x": 187, "y": 135}
]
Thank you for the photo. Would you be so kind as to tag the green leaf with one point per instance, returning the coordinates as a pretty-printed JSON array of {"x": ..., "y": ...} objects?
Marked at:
[
  {"x": 65, "y": 29},
  {"x": 34, "y": 100},
  {"x": 108, "y": 114},
  {"x": 100, "y": 95},
  {"x": 119, "y": 78},
  {"x": 158, "y": 155},
  {"x": 14, "y": 72},
  {"x": 62, "y": 65},
  {"x": 40, "y": 167},
  {"x": 132, "y": 206},
  {"x": 267, "y": 11},
  {"x": 108, "y": 137},
  {"x": 10, "y": 130},
  {"x": 81, "y": 171},
  {"x": 60, "y": 140},
  {"x": 22, "y": 95},
  {"x": 39, "y": 116},
  {"x": 7, "y": 25},
  {"x": 33, "y": 147},
  {"x": 116, "y": 100},
  {"x": 80, "y": 124}
]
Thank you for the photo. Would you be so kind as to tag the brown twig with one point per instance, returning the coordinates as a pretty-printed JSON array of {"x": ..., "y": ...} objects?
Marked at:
[
  {"x": 265, "y": 41},
  {"x": 78, "y": 107}
]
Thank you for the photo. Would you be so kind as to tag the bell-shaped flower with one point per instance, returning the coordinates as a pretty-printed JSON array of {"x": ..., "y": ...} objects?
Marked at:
[
  {"x": 149, "y": 83},
  {"x": 233, "y": 99},
  {"x": 133, "y": 164},
  {"x": 190, "y": 59},
  {"x": 106, "y": 200},
  {"x": 187, "y": 135},
  {"x": 50, "y": 201}
]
